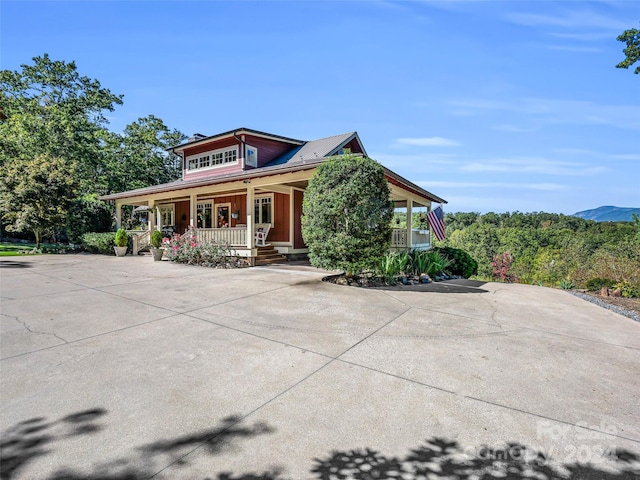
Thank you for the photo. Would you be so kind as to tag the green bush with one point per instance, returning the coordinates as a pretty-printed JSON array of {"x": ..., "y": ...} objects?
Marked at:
[
  {"x": 156, "y": 239},
  {"x": 99, "y": 242},
  {"x": 430, "y": 262},
  {"x": 566, "y": 284},
  {"x": 597, "y": 283},
  {"x": 392, "y": 265},
  {"x": 628, "y": 289},
  {"x": 461, "y": 262},
  {"x": 122, "y": 238},
  {"x": 346, "y": 221}
]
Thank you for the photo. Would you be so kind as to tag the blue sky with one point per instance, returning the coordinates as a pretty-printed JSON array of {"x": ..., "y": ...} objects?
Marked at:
[{"x": 494, "y": 106}]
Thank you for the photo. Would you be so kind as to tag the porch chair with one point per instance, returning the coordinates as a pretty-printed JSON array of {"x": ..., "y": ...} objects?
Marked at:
[{"x": 262, "y": 230}]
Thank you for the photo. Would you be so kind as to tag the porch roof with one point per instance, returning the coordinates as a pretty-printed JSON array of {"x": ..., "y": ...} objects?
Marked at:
[{"x": 263, "y": 172}]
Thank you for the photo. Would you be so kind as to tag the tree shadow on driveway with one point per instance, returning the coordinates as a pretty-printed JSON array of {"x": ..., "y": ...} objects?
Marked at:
[
  {"x": 32, "y": 439},
  {"x": 436, "y": 458}
]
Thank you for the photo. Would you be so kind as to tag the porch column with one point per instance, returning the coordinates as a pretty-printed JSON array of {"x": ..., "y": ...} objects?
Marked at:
[
  {"x": 291, "y": 221},
  {"x": 250, "y": 207},
  {"x": 152, "y": 215},
  {"x": 159, "y": 217},
  {"x": 118, "y": 214},
  {"x": 409, "y": 222},
  {"x": 193, "y": 204}
]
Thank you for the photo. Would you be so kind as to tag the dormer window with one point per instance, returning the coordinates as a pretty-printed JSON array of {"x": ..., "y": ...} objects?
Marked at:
[{"x": 212, "y": 159}]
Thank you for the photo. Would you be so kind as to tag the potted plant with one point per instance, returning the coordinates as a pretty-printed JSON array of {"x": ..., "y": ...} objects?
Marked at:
[
  {"x": 156, "y": 244},
  {"x": 122, "y": 240}
]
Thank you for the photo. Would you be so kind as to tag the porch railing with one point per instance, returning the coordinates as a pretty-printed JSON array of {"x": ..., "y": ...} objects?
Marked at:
[
  {"x": 234, "y": 236},
  {"x": 419, "y": 238},
  {"x": 399, "y": 238},
  {"x": 141, "y": 239}
]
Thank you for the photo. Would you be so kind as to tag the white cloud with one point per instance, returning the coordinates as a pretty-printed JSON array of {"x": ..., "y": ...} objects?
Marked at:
[
  {"x": 553, "y": 111},
  {"x": 428, "y": 142},
  {"x": 514, "y": 185},
  {"x": 513, "y": 128},
  {"x": 534, "y": 166},
  {"x": 584, "y": 152},
  {"x": 576, "y": 49},
  {"x": 571, "y": 20}
]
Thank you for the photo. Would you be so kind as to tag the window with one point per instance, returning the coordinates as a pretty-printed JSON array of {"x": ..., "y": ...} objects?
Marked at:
[
  {"x": 263, "y": 210},
  {"x": 205, "y": 216},
  {"x": 167, "y": 215},
  {"x": 252, "y": 157},
  {"x": 215, "y": 158}
]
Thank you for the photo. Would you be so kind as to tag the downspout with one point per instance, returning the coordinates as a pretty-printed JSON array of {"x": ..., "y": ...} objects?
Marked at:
[{"x": 244, "y": 150}]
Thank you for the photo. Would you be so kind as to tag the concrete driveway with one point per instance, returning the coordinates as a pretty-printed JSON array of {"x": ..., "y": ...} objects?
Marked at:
[{"x": 122, "y": 368}]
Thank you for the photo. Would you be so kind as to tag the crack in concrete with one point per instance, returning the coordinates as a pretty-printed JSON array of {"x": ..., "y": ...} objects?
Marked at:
[{"x": 30, "y": 330}]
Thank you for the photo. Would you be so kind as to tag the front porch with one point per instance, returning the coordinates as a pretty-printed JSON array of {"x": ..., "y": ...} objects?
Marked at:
[
  {"x": 230, "y": 212},
  {"x": 416, "y": 239}
]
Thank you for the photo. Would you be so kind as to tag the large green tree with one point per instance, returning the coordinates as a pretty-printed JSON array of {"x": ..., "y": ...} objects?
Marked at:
[
  {"x": 53, "y": 112},
  {"x": 632, "y": 50},
  {"x": 51, "y": 109},
  {"x": 347, "y": 213},
  {"x": 35, "y": 194},
  {"x": 138, "y": 157}
]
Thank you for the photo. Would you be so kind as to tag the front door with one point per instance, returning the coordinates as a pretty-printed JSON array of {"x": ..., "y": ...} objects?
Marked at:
[{"x": 223, "y": 215}]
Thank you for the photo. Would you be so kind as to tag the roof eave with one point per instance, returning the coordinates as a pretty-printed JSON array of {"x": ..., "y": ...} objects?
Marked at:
[{"x": 230, "y": 133}]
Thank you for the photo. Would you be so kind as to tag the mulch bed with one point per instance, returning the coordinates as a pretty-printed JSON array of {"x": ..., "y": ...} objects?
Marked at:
[{"x": 372, "y": 282}]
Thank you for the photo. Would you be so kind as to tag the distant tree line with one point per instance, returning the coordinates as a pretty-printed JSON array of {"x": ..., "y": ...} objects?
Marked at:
[
  {"x": 548, "y": 248},
  {"x": 57, "y": 154}
]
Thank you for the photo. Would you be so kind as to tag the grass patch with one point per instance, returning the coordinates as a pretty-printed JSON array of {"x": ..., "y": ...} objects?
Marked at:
[{"x": 10, "y": 249}]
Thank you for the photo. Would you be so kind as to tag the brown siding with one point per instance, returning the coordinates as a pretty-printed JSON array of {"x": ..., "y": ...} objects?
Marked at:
[
  {"x": 182, "y": 216},
  {"x": 354, "y": 146},
  {"x": 280, "y": 228},
  {"x": 268, "y": 150},
  {"x": 298, "y": 242}
]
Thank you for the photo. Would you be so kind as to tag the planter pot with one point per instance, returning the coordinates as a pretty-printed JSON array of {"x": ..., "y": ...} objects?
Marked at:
[
  {"x": 120, "y": 251},
  {"x": 157, "y": 253}
]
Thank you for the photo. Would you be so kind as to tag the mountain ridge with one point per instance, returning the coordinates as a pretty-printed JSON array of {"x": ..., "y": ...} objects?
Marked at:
[{"x": 609, "y": 213}]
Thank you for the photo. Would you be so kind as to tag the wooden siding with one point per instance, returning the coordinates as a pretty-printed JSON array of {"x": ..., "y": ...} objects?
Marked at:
[
  {"x": 298, "y": 242},
  {"x": 280, "y": 228},
  {"x": 268, "y": 150},
  {"x": 354, "y": 146}
]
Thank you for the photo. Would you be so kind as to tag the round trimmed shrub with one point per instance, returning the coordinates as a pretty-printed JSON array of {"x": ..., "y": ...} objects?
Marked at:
[
  {"x": 122, "y": 238},
  {"x": 156, "y": 239},
  {"x": 346, "y": 220},
  {"x": 597, "y": 283}
]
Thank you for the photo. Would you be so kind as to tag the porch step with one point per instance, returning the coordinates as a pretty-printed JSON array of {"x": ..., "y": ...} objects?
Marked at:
[{"x": 268, "y": 255}]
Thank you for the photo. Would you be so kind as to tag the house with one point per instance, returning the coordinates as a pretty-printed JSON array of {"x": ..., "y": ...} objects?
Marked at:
[{"x": 238, "y": 179}]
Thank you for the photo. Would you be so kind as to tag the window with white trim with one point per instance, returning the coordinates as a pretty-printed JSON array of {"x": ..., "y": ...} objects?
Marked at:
[
  {"x": 213, "y": 159},
  {"x": 205, "y": 215},
  {"x": 167, "y": 217},
  {"x": 263, "y": 210}
]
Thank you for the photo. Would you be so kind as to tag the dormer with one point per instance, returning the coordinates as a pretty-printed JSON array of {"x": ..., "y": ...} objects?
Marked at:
[{"x": 231, "y": 152}]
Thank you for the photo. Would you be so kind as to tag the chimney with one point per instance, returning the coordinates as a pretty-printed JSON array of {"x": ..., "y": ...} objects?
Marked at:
[{"x": 197, "y": 136}]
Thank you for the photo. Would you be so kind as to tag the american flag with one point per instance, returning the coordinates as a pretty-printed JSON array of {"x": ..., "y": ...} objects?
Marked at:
[{"x": 436, "y": 220}]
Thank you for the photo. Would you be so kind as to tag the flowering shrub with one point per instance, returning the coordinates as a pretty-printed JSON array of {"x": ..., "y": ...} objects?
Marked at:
[
  {"x": 502, "y": 267},
  {"x": 187, "y": 249}
]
